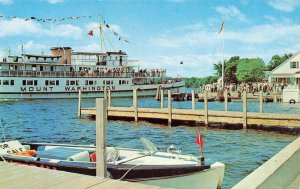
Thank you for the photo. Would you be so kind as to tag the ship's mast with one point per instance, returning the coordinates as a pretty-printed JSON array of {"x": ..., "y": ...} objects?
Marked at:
[{"x": 102, "y": 40}]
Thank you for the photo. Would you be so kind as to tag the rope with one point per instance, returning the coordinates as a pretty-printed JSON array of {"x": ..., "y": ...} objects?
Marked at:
[
  {"x": 129, "y": 171},
  {"x": 2, "y": 158}
]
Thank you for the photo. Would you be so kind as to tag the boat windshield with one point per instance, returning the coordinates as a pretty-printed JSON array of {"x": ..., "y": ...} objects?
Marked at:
[{"x": 141, "y": 144}]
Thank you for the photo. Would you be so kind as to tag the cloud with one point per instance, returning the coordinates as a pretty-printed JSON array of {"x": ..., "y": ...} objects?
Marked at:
[
  {"x": 64, "y": 30},
  {"x": 32, "y": 46},
  {"x": 266, "y": 34},
  {"x": 6, "y": 2},
  {"x": 193, "y": 64},
  {"x": 2, "y": 54},
  {"x": 20, "y": 27},
  {"x": 54, "y": 1},
  {"x": 91, "y": 47},
  {"x": 231, "y": 12},
  {"x": 262, "y": 41},
  {"x": 284, "y": 5}
]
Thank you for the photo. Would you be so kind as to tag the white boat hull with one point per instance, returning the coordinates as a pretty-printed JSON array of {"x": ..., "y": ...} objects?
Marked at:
[
  {"x": 20, "y": 91},
  {"x": 208, "y": 179}
]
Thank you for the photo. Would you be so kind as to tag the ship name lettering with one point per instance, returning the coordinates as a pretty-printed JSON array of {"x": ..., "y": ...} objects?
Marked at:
[
  {"x": 31, "y": 89},
  {"x": 97, "y": 88}
]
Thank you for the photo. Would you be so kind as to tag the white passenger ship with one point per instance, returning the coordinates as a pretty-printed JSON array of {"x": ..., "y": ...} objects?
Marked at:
[{"x": 63, "y": 73}]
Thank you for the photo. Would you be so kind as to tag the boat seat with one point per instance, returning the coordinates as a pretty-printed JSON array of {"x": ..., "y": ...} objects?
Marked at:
[
  {"x": 64, "y": 153},
  {"x": 112, "y": 155}
]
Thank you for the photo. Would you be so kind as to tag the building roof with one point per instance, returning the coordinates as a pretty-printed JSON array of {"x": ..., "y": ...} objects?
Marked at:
[
  {"x": 286, "y": 61},
  {"x": 42, "y": 56},
  {"x": 61, "y": 48}
]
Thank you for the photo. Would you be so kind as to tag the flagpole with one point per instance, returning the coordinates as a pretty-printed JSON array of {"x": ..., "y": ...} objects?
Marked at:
[{"x": 223, "y": 57}]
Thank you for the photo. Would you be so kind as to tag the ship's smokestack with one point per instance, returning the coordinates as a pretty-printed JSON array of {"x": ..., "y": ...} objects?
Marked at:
[{"x": 65, "y": 53}]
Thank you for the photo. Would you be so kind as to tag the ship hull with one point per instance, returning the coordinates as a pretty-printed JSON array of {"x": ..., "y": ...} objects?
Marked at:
[{"x": 19, "y": 89}]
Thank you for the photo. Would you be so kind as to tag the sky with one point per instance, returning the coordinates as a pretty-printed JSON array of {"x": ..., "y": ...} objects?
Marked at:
[{"x": 161, "y": 33}]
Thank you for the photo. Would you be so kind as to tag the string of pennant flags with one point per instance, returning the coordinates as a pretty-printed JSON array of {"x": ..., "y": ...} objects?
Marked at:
[
  {"x": 91, "y": 32},
  {"x": 47, "y": 19},
  {"x": 56, "y": 20}
]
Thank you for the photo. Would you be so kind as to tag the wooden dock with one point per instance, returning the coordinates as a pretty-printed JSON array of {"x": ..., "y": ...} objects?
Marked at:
[
  {"x": 228, "y": 117},
  {"x": 244, "y": 118},
  {"x": 16, "y": 176}
]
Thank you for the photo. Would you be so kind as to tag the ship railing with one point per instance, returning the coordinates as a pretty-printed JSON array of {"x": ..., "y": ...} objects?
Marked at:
[{"x": 76, "y": 74}]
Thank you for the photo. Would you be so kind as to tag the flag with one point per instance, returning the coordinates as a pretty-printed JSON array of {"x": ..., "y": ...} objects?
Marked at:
[
  {"x": 221, "y": 28},
  {"x": 181, "y": 62},
  {"x": 199, "y": 141},
  {"x": 90, "y": 33}
]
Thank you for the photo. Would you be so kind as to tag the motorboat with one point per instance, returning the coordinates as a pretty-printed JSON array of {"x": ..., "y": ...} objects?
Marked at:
[{"x": 145, "y": 164}]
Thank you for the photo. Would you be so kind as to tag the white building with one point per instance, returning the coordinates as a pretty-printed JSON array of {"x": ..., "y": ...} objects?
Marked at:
[{"x": 288, "y": 71}]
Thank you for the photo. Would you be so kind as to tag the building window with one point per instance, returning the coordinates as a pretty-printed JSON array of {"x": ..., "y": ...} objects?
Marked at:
[
  {"x": 12, "y": 82},
  {"x": 29, "y": 82},
  {"x": 6, "y": 82},
  {"x": 52, "y": 82},
  {"x": 294, "y": 65}
]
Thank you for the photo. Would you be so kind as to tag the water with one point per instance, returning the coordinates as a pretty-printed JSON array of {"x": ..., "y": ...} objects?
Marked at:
[{"x": 56, "y": 121}]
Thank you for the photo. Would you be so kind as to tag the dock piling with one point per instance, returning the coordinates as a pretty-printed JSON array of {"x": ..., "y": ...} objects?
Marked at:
[
  {"x": 205, "y": 108},
  {"x": 161, "y": 98},
  {"x": 226, "y": 100},
  {"x": 170, "y": 108},
  {"x": 275, "y": 98},
  {"x": 105, "y": 92},
  {"x": 101, "y": 120},
  {"x": 261, "y": 102},
  {"x": 157, "y": 96},
  {"x": 244, "y": 110},
  {"x": 109, "y": 98},
  {"x": 193, "y": 100},
  {"x": 79, "y": 103},
  {"x": 135, "y": 105}
]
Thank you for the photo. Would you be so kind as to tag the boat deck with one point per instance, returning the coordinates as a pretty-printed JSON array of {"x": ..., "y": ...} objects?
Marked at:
[{"x": 15, "y": 176}]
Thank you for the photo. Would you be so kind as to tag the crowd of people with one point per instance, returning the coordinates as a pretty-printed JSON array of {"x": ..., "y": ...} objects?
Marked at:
[
  {"x": 108, "y": 72},
  {"x": 250, "y": 87}
]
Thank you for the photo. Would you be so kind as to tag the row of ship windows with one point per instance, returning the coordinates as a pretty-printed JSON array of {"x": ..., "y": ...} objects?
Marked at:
[
  {"x": 7, "y": 82},
  {"x": 56, "y": 82}
]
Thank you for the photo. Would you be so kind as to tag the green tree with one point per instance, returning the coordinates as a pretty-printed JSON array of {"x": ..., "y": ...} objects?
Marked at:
[
  {"x": 250, "y": 70},
  {"x": 230, "y": 70},
  {"x": 277, "y": 60},
  {"x": 195, "y": 82},
  {"x": 218, "y": 69}
]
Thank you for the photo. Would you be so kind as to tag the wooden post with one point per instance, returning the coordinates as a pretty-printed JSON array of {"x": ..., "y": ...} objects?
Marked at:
[
  {"x": 161, "y": 98},
  {"x": 109, "y": 98},
  {"x": 193, "y": 100},
  {"x": 105, "y": 92},
  {"x": 244, "y": 110},
  {"x": 170, "y": 108},
  {"x": 205, "y": 108},
  {"x": 157, "y": 96},
  {"x": 135, "y": 105},
  {"x": 79, "y": 103},
  {"x": 261, "y": 102},
  {"x": 101, "y": 110},
  {"x": 226, "y": 100}
]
